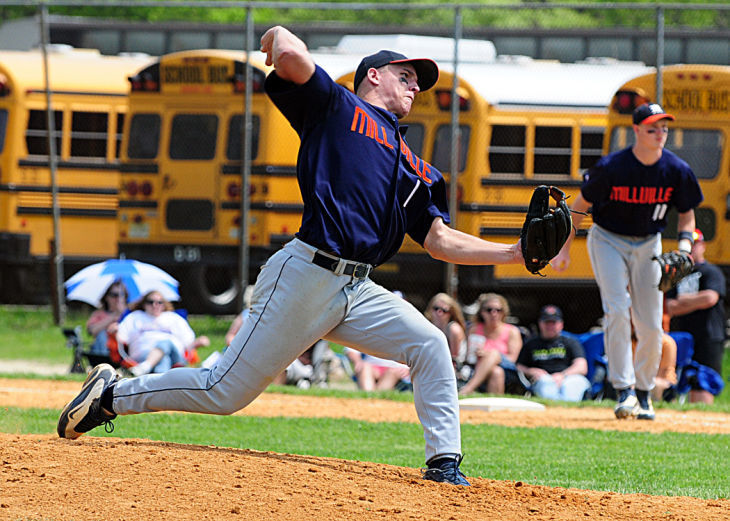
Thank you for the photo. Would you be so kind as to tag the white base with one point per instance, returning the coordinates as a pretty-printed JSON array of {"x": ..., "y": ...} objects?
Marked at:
[{"x": 500, "y": 404}]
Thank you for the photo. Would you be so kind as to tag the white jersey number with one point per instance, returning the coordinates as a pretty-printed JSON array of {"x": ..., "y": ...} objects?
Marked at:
[{"x": 659, "y": 211}]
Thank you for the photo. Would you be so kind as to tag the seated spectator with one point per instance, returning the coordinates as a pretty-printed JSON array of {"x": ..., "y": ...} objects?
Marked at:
[
  {"x": 554, "y": 363},
  {"x": 445, "y": 313},
  {"x": 238, "y": 321},
  {"x": 492, "y": 349},
  {"x": 103, "y": 322},
  {"x": 377, "y": 374},
  {"x": 312, "y": 367},
  {"x": 235, "y": 326},
  {"x": 157, "y": 337}
]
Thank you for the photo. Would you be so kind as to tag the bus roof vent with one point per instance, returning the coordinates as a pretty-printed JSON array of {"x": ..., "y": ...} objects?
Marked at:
[
  {"x": 127, "y": 54},
  {"x": 514, "y": 58},
  {"x": 437, "y": 48},
  {"x": 62, "y": 48},
  {"x": 57, "y": 48},
  {"x": 607, "y": 60}
]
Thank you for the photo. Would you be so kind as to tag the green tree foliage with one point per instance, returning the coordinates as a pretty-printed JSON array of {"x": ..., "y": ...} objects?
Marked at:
[{"x": 535, "y": 14}]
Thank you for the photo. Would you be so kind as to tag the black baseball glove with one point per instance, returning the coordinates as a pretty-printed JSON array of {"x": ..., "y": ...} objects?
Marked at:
[
  {"x": 674, "y": 265},
  {"x": 545, "y": 229}
]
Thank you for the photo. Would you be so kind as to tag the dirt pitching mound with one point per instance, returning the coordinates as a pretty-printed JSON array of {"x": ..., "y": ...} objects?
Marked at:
[{"x": 43, "y": 477}]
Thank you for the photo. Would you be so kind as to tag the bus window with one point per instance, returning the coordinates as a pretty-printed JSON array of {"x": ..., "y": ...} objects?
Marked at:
[
  {"x": 705, "y": 218},
  {"x": 235, "y": 138},
  {"x": 507, "y": 149},
  {"x": 36, "y": 135},
  {"x": 3, "y": 128},
  {"x": 193, "y": 136},
  {"x": 89, "y": 134},
  {"x": 118, "y": 140},
  {"x": 144, "y": 136},
  {"x": 442, "y": 147},
  {"x": 552, "y": 150},
  {"x": 702, "y": 149},
  {"x": 414, "y": 137},
  {"x": 621, "y": 137},
  {"x": 591, "y": 145}
]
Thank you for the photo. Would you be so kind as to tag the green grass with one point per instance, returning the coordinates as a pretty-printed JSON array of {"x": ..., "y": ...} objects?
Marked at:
[
  {"x": 28, "y": 333},
  {"x": 661, "y": 464},
  {"x": 669, "y": 464}
]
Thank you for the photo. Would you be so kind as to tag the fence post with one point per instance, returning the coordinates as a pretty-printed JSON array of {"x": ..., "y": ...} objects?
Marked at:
[
  {"x": 246, "y": 165},
  {"x": 659, "y": 54},
  {"x": 55, "y": 250},
  {"x": 452, "y": 275},
  {"x": 56, "y": 306}
]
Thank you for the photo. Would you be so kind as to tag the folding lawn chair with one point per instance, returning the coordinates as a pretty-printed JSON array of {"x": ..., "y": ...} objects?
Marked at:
[{"x": 597, "y": 363}]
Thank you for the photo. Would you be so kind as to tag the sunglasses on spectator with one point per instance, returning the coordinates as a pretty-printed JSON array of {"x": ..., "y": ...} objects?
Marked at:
[
  {"x": 151, "y": 302},
  {"x": 115, "y": 294},
  {"x": 442, "y": 310},
  {"x": 492, "y": 310}
]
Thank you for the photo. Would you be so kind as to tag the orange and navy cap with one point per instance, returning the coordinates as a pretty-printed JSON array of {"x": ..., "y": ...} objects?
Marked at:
[
  {"x": 648, "y": 113},
  {"x": 426, "y": 70},
  {"x": 697, "y": 235}
]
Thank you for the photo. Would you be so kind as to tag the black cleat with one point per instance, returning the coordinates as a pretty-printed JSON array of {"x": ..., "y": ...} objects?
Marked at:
[
  {"x": 84, "y": 412},
  {"x": 446, "y": 470},
  {"x": 646, "y": 409}
]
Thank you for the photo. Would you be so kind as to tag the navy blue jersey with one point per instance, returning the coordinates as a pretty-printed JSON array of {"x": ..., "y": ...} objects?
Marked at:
[
  {"x": 363, "y": 189},
  {"x": 630, "y": 198}
]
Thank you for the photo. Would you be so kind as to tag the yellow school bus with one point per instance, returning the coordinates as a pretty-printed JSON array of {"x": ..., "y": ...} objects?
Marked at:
[
  {"x": 179, "y": 199},
  {"x": 89, "y": 98},
  {"x": 522, "y": 123},
  {"x": 699, "y": 97},
  {"x": 181, "y": 176}
]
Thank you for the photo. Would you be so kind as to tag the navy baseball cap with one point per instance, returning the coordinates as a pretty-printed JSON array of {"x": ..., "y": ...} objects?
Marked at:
[
  {"x": 427, "y": 70},
  {"x": 648, "y": 113},
  {"x": 550, "y": 313}
]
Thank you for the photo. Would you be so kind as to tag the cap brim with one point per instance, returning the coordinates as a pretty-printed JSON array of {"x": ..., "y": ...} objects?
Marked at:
[
  {"x": 546, "y": 318},
  {"x": 427, "y": 71},
  {"x": 656, "y": 117}
]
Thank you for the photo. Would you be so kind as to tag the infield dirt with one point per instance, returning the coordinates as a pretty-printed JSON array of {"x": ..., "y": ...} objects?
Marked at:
[{"x": 46, "y": 478}]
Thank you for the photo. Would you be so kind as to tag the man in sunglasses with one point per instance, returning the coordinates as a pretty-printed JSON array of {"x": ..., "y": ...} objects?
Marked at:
[{"x": 630, "y": 193}]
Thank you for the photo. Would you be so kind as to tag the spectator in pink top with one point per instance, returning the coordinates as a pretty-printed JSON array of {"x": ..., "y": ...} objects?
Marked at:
[
  {"x": 445, "y": 313},
  {"x": 493, "y": 346}
]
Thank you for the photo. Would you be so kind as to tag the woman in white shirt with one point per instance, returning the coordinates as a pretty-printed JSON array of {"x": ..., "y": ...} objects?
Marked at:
[{"x": 156, "y": 337}]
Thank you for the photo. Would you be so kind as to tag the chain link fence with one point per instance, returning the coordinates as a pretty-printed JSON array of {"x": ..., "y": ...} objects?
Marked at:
[{"x": 508, "y": 137}]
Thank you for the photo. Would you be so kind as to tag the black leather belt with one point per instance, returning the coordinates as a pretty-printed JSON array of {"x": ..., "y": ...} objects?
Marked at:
[{"x": 341, "y": 266}]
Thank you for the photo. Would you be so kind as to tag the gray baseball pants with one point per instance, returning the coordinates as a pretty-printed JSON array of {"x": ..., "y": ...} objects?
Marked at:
[
  {"x": 627, "y": 278},
  {"x": 294, "y": 304}
]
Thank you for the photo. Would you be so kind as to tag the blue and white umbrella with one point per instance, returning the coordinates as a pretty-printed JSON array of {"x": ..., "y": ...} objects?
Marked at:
[{"x": 90, "y": 284}]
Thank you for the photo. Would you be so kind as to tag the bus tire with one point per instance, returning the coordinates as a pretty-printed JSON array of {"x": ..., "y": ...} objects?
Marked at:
[{"x": 211, "y": 289}]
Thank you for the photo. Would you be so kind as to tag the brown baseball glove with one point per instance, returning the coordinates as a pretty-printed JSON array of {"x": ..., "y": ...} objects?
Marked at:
[{"x": 674, "y": 265}]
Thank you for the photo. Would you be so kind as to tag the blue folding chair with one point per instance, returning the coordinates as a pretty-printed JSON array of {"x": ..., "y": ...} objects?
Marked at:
[
  {"x": 597, "y": 363},
  {"x": 685, "y": 349},
  {"x": 691, "y": 373}
]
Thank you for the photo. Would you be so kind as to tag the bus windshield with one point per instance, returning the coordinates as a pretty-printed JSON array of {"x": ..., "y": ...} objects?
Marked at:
[{"x": 701, "y": 148}]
